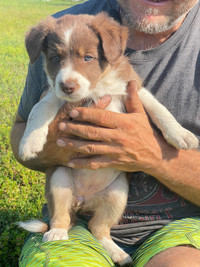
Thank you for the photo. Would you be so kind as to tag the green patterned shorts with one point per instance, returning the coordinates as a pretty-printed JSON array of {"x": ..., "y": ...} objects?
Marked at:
[{"x": 82, "y": 249}]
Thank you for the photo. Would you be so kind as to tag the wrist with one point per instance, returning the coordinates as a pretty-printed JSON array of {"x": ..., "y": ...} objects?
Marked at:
[{"x": 162, "y": 155}]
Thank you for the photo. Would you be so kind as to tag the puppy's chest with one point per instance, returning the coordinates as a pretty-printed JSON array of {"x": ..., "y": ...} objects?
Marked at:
[
  {"x": 90, "y": 182},
  {"x": 117, "y": 104}
]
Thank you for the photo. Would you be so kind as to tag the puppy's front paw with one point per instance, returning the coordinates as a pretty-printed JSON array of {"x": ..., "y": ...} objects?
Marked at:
[
  {"x": 55, "y": 234},
  {"x": 117, "y": 254},
  {"x": 30, "y": 146},
  {"x": 26, "y": 152},
  {"x": 123, "y": 259},
  {"x": 181, "y": 138}
]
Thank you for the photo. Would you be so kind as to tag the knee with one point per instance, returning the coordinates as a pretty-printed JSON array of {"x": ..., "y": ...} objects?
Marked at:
[{"x": 176, "y": 257}]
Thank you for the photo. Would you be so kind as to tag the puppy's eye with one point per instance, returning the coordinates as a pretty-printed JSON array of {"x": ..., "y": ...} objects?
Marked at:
[
  {"x": 55, "y": 59},
  {"x": 88, "y": 58}
]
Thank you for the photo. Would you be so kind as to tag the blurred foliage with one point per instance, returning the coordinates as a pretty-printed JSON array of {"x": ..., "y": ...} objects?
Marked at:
[{"x": 21, "y": 190}]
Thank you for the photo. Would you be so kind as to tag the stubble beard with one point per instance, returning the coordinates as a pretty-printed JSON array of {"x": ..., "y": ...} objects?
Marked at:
[{"x": 143, "y": 25}]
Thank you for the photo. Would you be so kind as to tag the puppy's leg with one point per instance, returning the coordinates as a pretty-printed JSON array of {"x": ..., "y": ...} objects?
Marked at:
[
  {"x": 173, "y": 132},
  {"x": 59, "y": 193},
  {"x": 108, "y": 209},
  {"x": 36, "y": 130}
]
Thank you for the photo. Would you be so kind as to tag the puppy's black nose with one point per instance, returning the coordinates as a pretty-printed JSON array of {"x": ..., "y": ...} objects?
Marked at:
[{"x": 68, "y": 87}]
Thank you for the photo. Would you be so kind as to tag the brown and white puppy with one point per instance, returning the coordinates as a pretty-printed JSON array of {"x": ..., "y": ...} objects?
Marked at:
[{"x": 84, "y": 59}]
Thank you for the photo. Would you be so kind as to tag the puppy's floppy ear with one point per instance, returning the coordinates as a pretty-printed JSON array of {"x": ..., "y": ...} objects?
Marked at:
[
  {"x": 34, "y": 39},
  {"x": 113, "y": 36}
]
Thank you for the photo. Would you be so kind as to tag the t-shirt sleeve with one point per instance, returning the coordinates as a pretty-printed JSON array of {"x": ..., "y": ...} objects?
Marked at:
[{"x": 36, "y": 84}]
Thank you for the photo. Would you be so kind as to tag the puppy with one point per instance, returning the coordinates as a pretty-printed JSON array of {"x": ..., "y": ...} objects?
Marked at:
[{"x": 84, "y": 59}]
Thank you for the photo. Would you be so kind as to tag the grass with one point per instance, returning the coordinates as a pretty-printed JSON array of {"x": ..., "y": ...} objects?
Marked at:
[{"x": 21, "y": 190}]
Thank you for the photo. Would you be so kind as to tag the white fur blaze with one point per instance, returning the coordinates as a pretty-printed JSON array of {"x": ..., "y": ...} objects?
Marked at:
[
  {"x": 68, "y": 34},
  {"x": 34, "y": 226}
]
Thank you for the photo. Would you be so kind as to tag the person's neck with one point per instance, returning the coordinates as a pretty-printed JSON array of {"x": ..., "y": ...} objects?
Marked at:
[{"x": 142, "y": 41}]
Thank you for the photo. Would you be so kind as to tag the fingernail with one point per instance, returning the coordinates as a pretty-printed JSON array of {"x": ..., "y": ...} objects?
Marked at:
[
  {"x": 60, "y": 143},
  {"x": 74, "y": 113},
  {"x": 70, "y": 164},
  {"x": 132, "y": 85},
  {"x": 62, "y": 126},
  {"x": 105, "y": 98}
]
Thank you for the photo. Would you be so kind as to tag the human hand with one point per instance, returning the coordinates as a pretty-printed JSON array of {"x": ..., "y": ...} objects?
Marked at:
[
  {"x": 54, "y": 154},
  {"x": 124, "y": 141}
]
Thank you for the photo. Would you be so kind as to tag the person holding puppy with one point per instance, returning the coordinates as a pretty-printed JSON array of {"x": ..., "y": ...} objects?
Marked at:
[{"x": 160, "y": 226}]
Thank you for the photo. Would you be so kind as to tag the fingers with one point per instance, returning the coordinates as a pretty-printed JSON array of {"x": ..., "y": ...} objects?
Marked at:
[
  {"x": 67, "y": 111},
  {"x": 102, "y": 102},
  {"x": 93, "y": 163},
  {"x": 133, "y": 103},
  {"x": 63, "y": 112},
  {"x": 88, "y": 147},
  {"x": 90, "y": 132},
  {"x": 99, "y": 117}
]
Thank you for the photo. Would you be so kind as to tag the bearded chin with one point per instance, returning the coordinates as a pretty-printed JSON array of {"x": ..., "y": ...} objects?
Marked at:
[
  {"x": 156, "y": 27},
  {"x": 147, "y": 27},
  {"x": 152, "y": 28}
]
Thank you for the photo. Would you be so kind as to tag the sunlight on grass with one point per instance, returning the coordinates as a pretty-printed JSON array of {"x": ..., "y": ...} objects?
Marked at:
[{"x": 21, "y": 190}]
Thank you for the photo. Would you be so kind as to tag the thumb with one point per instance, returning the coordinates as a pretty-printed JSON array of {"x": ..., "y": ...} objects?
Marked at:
[
  {"x": 133, "y": 103},
  {"x": 102, "y": 102}
]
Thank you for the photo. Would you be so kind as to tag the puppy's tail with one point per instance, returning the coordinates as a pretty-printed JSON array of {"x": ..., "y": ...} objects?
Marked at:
[{"x": 34, "y": 226}]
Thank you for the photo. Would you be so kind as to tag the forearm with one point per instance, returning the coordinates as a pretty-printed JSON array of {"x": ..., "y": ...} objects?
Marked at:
[{"x": 179, "y": 170}]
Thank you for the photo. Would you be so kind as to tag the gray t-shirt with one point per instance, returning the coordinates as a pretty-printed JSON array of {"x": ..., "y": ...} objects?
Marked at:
[{"x": 172, "y": 73}]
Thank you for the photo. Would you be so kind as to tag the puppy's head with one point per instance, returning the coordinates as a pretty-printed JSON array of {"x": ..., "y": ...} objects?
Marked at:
[{"x": 77, "y": 49}]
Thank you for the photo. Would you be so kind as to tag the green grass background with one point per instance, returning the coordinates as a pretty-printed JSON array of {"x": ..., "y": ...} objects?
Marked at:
[{"x": 21, "y": 190}]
